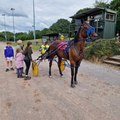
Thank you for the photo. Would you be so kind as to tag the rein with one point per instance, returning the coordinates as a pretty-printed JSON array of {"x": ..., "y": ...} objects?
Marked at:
[
  {"x": 51, "y": 52},
  {"x": 77, "y": 38}
]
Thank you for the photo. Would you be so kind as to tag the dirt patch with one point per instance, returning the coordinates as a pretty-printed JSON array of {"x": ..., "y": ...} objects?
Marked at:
[{"x": 96, "y": 97}]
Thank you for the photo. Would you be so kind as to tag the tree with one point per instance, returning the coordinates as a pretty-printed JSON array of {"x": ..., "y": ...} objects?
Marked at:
[
  {"x": 72, "y": 26},
  {"x": 101, "y": 3},
  {"x": 61, "y": 26},
  {"x": 9, "y": 36},
  {"x": 22, "y": 36},
  {"x": 2, "y": 37},
  {"x": 115, "y": 5},
  {"x": 82, "y": 10},
  {"x": 38, "y": 34}
]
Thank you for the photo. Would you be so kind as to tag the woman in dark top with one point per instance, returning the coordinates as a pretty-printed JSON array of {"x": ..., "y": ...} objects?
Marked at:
[{"x": 28, "y": 59}]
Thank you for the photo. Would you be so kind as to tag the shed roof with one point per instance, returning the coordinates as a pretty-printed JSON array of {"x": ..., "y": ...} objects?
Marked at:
[{"x": 93, "y": 11}]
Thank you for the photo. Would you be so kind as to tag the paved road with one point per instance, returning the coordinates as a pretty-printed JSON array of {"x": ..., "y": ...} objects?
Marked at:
[{"x": 97, "y": 96}]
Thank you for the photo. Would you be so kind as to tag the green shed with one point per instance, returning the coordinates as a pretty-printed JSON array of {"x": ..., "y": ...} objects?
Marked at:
[{"x": 104, "y": 21}]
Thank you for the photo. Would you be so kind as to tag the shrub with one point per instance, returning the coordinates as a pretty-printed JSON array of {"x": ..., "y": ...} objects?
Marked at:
[{"x": 102, "y": 48}]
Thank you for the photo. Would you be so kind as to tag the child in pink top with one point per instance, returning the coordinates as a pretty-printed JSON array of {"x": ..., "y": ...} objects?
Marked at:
[{"x": 19, "y": 60}]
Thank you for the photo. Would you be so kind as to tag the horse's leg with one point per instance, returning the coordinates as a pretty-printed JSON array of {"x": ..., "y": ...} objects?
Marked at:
[
  {"x": 59, "y": 64},
  {"x": 77, "y": 64},
  {"x": 50, "y": 65},
  {"x": 72, "y": 74}
]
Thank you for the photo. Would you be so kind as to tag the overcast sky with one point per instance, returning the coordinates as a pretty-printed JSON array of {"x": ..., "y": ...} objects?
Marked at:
[{"x": 47, "y": 12}]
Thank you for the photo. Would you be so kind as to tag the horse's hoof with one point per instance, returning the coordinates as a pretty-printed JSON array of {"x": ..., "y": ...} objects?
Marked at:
[
  {"x": 76, "y": 82},
  {"x": 72, "y": 85},
  {"x": 50, "y": 76}
]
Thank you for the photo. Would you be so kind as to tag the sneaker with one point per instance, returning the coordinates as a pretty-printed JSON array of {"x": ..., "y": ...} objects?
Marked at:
[
  {"x": 7, "y": 70},
  {"x": 21, "y": 77},
  {"x": 12, "y": 69},
  {"x": 23, "y": 73},
  {"x": 27, "y": 78}
]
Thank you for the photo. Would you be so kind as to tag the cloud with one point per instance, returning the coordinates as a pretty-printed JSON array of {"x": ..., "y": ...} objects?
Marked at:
[
  {"x": 2, "y": 11},
  {"x": 47, "y": 12}
]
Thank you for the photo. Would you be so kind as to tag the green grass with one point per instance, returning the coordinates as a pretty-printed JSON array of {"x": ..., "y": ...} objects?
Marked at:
[{"x": 35, "y": 46}]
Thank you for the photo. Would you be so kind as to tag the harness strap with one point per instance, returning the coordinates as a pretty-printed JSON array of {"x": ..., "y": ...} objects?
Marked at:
[{"x": 79, "y": 52}]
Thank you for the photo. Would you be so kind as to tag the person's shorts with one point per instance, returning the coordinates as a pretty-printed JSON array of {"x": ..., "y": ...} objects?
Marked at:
[{"x": 9, "y": 58}]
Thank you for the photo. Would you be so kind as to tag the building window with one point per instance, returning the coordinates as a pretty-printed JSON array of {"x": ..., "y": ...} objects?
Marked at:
[{"x": 109, "y": 17}]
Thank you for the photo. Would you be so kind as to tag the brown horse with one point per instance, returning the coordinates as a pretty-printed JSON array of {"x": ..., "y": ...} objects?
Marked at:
[{"x": 75, "y": 51}]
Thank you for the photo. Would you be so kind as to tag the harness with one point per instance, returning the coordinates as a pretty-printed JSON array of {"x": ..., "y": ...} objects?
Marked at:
[
  {"x": 68, "y": 47},
  {"x": 88, "y": 31}
]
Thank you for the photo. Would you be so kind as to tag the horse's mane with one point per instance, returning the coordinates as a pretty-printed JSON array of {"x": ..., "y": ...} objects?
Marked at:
[{"x": 76, "y": 38}]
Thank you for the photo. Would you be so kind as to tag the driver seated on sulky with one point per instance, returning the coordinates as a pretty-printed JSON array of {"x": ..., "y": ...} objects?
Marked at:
[{"x": 44, "y": 47}]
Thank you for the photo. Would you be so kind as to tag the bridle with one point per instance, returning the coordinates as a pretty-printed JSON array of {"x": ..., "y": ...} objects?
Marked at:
[{"x": 89, "y": 33}]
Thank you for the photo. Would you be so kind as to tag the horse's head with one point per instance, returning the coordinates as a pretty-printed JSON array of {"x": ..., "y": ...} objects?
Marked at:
[{"x": 87, "y": 31}]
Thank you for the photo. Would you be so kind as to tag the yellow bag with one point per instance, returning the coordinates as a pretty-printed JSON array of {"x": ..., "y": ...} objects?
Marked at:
[
  {"x": 35, "y": 69},
  {"x": 62, "y": 66}
]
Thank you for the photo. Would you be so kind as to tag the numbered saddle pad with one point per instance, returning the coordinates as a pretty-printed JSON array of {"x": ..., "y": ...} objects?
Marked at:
[
  {"x": 62, "y": 66},
  {"x": 35, "y": 69}
]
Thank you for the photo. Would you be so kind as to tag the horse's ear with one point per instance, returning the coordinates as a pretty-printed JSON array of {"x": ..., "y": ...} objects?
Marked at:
[{"x": 82, "y": 21}]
